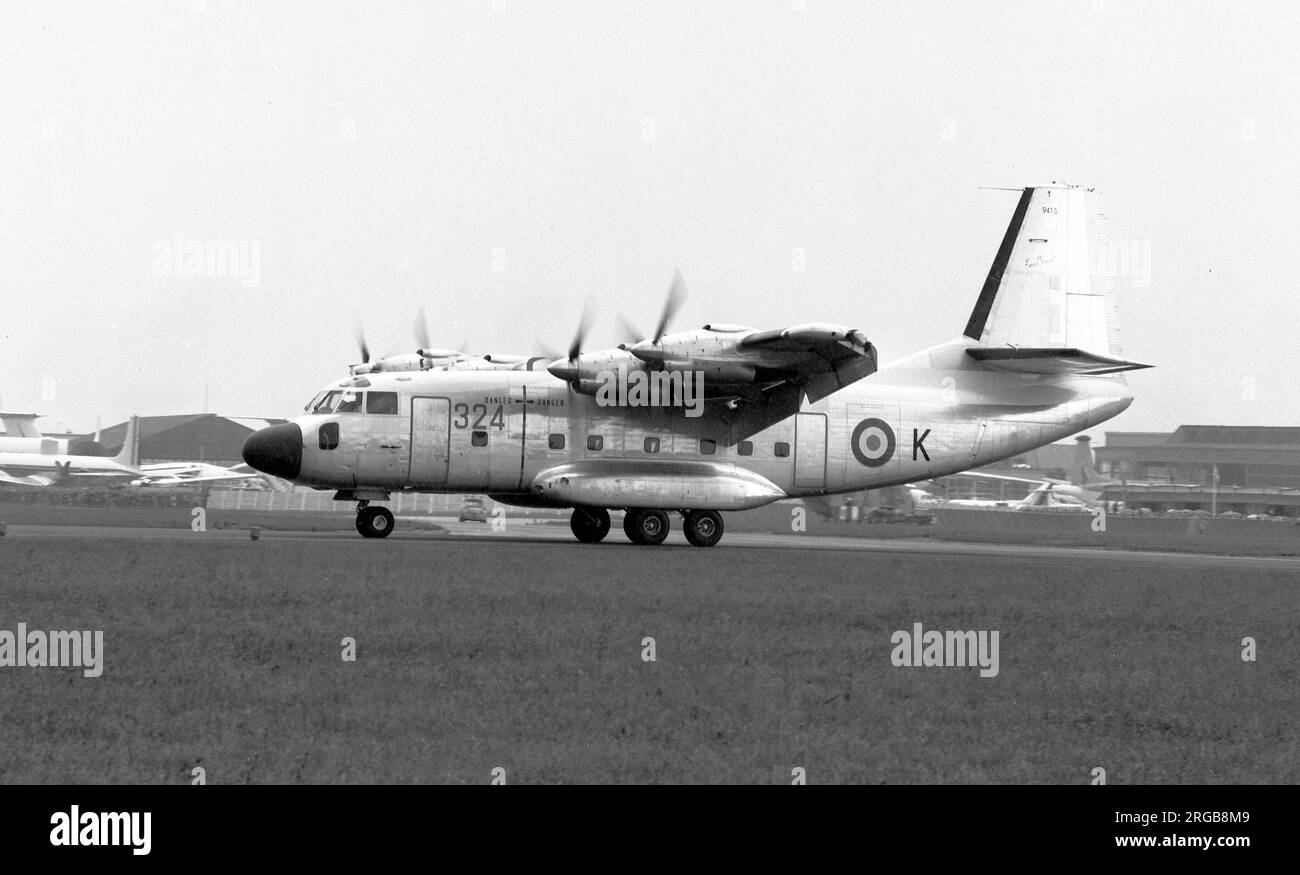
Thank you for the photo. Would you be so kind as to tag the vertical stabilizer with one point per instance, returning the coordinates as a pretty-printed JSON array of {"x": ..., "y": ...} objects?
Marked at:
[
  {"x": 1050, "y": 285},
  {"x": 130, "y": 452}
]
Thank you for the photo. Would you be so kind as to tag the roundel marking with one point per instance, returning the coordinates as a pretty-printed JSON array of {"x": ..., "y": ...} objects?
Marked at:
[{"x": 873, "y": 442}]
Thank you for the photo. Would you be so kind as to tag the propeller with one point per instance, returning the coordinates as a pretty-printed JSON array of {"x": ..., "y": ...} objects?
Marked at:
[
  {"x": 631, "y": 334},
  {"x": 361, "y": 342},
  {"x": 421, "y": 329},
  {"x": 584, "y": 325},
  {"x": 676, "y": 294}
]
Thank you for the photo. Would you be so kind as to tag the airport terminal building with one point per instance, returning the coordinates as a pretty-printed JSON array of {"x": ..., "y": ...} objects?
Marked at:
[{"x": 1222, "y": 468}]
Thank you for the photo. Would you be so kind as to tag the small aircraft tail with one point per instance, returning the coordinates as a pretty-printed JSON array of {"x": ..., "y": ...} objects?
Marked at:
[
  {"x": 1083, "y": 469},
  {"x": 130, "y": 452},
  {"x": 1047, "y": 305}
]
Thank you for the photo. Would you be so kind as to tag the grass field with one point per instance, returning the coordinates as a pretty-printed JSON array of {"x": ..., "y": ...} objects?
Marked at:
[{"x": 527, "y": 656}]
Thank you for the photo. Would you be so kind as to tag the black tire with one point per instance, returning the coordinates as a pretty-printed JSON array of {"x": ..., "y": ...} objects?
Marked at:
[
  {"x": 375, "y": 522},
  {"x": 590, "y": 525},
  {"x": 646, "y": 527},
  {"x": 703, "y": 528}
]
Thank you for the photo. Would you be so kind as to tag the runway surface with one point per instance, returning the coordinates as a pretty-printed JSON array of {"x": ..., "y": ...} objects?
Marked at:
[{"x": 560, "y": 535}]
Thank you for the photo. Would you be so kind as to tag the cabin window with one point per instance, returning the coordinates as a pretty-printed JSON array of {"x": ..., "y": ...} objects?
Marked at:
[
  {"x": 555, "y": 442},
  {"x": 349, "y": 403},
  {"x": 328, "y": 437},
  {"x": 708, "y": 447},
  {"x": 782, "y": 449},
  {"x": 651, "y": 445},
  {"x": 478, "y": 438},
  {"x": 745, "y": 448},
  {"x": 381, "y": 402},
  {"x": 595, "y": 442}
]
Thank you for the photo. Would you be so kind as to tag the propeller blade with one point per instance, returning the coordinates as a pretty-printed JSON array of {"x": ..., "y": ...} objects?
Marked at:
[
  {"x": 421, "y": 328},
  {"x": 676, "y": 294},
  {"x": 584, "y": 325},
  {"x": 631, "y": 334},
  {"x": 361, "y": 343}
]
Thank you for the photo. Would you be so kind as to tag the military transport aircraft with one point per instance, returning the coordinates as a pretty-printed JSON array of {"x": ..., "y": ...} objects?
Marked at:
[{"x": 726, "y": 418}]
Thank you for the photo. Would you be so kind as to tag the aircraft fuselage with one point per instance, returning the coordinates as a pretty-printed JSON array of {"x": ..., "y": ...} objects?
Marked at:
[{"x": 501, "y": 432}]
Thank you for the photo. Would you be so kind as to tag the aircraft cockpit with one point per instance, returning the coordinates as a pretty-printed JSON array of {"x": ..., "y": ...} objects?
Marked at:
[{"x": 353, "y": 401}]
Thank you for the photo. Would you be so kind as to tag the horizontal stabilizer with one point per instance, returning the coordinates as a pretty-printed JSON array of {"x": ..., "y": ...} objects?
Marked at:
[{"x": 1051, "y": 361}]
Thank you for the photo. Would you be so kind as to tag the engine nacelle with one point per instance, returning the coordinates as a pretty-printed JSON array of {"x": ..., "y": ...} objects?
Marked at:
[{"x": 589, "y": 371}]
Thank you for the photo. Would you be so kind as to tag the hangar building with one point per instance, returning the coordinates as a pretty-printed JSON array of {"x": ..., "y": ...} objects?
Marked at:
[{"x": 195, "y": 437}]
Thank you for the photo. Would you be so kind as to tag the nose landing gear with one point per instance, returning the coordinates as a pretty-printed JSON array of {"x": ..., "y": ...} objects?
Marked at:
[{"x": 374, "y": 522}]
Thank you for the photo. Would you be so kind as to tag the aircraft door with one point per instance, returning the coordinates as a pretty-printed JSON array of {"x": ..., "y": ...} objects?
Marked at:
[
  {"x": 546, "y": 429},
  {"x": 429, "y": 441},
  {"x": 810, "y": 450}
]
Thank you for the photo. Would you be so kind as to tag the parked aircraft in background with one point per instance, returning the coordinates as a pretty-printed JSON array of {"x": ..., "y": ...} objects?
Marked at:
[{"x": 45, "y": 466}]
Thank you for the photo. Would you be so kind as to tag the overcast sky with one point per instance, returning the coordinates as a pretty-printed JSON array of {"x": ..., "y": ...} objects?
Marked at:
[{"x": 500, "y": 162}]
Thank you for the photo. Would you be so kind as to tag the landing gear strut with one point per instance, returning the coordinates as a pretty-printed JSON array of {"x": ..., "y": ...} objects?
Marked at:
[
  {"x": 374, "y": 522},
  {"x": 589, "y": 524},
  {"x": 703, "y": 528},
  {"x": 648, "y": 527}
]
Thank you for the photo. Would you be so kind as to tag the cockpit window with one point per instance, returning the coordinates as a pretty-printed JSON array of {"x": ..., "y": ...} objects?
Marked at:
[
  {"x": 381, "y": 402},
  {"x": 326, "y": 404},
  {"x": 311, "y": 405},
  {"x": 350, "y": 402}
]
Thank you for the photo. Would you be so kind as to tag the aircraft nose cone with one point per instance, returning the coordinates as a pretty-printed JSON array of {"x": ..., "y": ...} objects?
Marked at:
[{"x": 275, "y": 450}]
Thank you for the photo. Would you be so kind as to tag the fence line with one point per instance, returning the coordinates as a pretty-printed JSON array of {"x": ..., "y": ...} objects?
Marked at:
[{"x": 312, "y": 500}]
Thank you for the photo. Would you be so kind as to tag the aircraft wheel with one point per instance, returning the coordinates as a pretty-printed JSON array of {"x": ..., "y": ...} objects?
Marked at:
[
  {"x": 590, "y": 525},
  {"x": 703, "y": 528},
  {"x": 375, "y": 522},
  {"x": 648, "y": 527}
]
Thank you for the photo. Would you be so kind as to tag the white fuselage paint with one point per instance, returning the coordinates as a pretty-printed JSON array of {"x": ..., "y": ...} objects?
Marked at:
[{"x": 937, "y": 403}]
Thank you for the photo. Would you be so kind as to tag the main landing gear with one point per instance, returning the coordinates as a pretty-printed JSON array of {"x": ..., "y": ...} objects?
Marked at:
[
  {"x": 647, "y": 527},
  {"x": 589, "y": 524},
  {"x": 703, "y": 528},
  {"x": 374, "y": 522}
]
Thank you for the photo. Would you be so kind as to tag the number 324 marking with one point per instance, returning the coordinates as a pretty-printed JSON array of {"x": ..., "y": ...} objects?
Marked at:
[{"x": 479, "y": 412}]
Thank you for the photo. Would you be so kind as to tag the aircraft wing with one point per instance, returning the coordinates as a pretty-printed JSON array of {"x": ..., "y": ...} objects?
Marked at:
[
  {"x": 1032, "y": 482},
  {"x": 185, "y": 473},
  {"x": 818, "y": 357},
  {"x": 20, "y": 425},
  {"x": 35, "y": 480}
]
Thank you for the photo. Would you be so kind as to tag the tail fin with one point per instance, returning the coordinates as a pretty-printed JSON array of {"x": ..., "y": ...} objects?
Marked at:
[
  {"x": 1048, "y": 294},
  {"x": 1083, "y": 468},
  {"x": 130, "y": 452}
]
